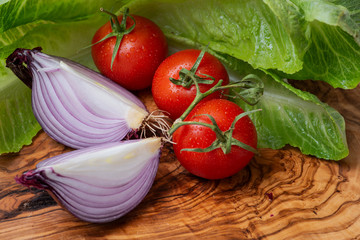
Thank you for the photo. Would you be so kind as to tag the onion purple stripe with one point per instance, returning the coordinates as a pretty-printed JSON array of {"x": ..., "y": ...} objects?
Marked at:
[
  {"x": 59, "y": 117},
  {"x": 77, "y": 106},
  {"x": 99, "y": 200}
]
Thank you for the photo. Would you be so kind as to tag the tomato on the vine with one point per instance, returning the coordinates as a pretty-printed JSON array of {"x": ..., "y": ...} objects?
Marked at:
[
  {"x": 214, "y": 164},
  {"x": 142, "y": 48},
  {"x": 175, "y": 98}
]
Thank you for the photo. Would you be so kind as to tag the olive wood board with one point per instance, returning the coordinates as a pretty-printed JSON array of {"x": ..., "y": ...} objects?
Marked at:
[{"x": 281, "y": 194}]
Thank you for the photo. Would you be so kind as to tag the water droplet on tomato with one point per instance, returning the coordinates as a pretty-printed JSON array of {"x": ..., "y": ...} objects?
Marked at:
[{"x": 132, "y": 39}]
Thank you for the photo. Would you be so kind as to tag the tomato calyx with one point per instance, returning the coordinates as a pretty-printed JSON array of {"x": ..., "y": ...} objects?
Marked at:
[
  {"x": 187, "y": 78},
  {"x": 118, "y": 30},
  {"x": 247, "y": 85},
  {"x": 250, "y": 91},
  {"x": 224, "y": 140}
]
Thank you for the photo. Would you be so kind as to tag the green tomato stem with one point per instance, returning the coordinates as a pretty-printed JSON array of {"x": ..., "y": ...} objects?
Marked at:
[
  {"x": 224, "y": 140},
  {"x": 200, "y": 96},
  {"x": 115, "y": 21},
  {"x": 118, "y": 30},
  {"x": 187, "y": 78}
]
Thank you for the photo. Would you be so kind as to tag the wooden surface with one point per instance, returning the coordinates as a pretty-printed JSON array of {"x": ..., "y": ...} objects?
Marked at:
[{"x": 282, "y": 194}]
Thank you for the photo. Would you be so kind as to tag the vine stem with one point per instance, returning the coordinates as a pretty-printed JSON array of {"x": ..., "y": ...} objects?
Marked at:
[{"x": 200, "y": 96}]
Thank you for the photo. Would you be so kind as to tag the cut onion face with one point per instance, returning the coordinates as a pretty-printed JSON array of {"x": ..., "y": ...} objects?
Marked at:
[
  {"x": 102, "y": 183},
  {"x": 76, "y": 106}
]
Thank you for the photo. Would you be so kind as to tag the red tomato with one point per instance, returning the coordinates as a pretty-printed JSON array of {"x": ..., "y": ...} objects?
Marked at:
[
  {"x": 175, "y": 99},
  {"x": 140, "y": 53},
  {"x": 214, "y": 164}
]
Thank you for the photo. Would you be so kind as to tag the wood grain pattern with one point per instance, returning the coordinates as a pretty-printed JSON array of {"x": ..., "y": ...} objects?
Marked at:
[{"x": 281, "y": 194}]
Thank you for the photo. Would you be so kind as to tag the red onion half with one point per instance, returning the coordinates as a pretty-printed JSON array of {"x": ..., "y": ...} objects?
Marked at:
[
  {"x": 102, "y": 183},
  {"x": 76, "y": 106}
]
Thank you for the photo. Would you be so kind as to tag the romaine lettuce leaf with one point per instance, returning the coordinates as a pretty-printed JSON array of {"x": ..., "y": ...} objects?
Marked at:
[
  {"x": 334, "y": 55},
  {"x": 248, "y": 29},
  {"x": 16, "y": 13},
  {"x": 17, "y": 122},
  {"x": 291, "y": 116},
  {"x": 342, "y": 13},
  {"x": 300, "y": 39},
  {"x": 300, "y": 119}
]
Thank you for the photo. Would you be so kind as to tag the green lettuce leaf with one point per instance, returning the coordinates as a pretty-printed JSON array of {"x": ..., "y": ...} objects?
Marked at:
[
  {"x": 334, "y": 53},
  {"x": 61, "y": 28},
  {"x": 17, "y": 122},
  {"x": 291, "y": 116},
  {"x": 300, "y": 39},
  {"x": 248, "y": 29},
  {"x": 300, "y": 119},
  {"x": 342, "y": 13}
]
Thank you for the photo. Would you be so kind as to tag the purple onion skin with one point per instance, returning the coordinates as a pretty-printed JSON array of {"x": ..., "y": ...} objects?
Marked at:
[
  {"x": 92, "y": 199},
  {"x": 76, "y": 112}
]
